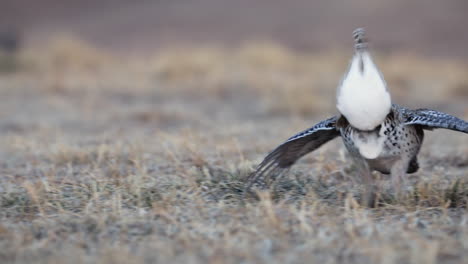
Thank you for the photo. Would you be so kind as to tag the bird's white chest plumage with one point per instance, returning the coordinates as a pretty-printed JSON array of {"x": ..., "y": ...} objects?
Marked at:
[
  {"x": 363, "y": 97},
  {"x": 370, "y": 145}
]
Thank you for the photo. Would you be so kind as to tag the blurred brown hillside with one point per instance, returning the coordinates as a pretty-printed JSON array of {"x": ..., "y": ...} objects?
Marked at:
[{"x": 428, "y": 27}]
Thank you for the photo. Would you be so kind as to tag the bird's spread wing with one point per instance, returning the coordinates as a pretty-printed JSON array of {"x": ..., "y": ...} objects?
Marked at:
[
  {"x": 430, "y": 119},
  {"x": 293, "y": 149}
]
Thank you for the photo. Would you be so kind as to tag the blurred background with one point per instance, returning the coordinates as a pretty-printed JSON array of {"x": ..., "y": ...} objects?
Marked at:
[
  {"x": 97, "y": 67},
  {"x": 429, "y": 27}
]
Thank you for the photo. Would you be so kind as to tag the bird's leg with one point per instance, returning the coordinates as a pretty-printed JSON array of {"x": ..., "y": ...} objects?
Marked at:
[
  {"x": 367, "y": 180},
  {"x": 398, "y": 173}
]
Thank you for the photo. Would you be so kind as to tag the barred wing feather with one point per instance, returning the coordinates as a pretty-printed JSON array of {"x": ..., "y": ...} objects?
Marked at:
[
  {"x": 286, "y": 154},
  {"x": 430, "y": 119}
]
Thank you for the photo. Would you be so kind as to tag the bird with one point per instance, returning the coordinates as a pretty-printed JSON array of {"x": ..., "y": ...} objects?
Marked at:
[{"x": 378, "y": 134}]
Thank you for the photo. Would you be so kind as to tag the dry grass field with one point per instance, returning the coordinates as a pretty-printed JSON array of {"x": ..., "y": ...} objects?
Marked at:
[{"x": 116, "y": 159}]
